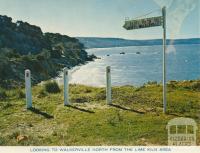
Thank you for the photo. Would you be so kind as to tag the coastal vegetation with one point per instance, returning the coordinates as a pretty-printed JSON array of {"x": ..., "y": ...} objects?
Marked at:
[
  {"x": 25, "y": 46},
  {"x": 135, "y": 117}
]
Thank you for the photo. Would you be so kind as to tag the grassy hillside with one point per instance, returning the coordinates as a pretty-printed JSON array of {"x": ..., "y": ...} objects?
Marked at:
[{"x": 135, "y": 118}]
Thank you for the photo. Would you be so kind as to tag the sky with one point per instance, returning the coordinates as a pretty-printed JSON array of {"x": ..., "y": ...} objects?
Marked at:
[{"x": 105, "y": 18}]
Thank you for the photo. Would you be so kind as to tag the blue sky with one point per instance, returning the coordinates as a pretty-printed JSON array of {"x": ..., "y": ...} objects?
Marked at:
[{"x": 104, "y": 18}]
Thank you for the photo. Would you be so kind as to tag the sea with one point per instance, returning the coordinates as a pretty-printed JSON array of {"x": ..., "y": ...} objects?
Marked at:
[{"x": 137, "y": 65}]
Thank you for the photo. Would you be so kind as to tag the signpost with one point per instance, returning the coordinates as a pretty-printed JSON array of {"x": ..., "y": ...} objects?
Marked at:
[
  {"x": 152, "y": 22},
  {"x": 164, "y": 60}
]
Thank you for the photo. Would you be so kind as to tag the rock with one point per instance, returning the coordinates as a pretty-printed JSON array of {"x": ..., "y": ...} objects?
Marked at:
[{"x": 21, "y": 138}]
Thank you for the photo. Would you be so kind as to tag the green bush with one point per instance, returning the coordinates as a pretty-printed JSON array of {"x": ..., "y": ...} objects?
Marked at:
[
  {"x": 20, "y": 94},
  {"x": 52, "y": 87},
  {"x": 3, "y": 141},
  {"x": 196, "y": 86},
  {"x": 152, "y": 83},
  {"x": 3, "y": 94}
]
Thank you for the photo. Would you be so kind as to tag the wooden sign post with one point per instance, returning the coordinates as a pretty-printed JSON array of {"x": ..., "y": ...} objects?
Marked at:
[
  {"x": 164, "y": 61},
  {"x": 152, "y": 22}
]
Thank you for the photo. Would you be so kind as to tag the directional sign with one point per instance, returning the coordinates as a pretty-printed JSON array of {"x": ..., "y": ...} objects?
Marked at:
[
  {"x": 152, "y": 22},
  {"x": 143, "y": 23}
]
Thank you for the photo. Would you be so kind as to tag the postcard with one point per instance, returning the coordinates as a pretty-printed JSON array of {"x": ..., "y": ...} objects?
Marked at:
[{"x": 99, "y": 76}]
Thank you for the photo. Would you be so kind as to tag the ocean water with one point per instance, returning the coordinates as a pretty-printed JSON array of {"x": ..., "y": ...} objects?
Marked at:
[{"x": 183, "y": 63}]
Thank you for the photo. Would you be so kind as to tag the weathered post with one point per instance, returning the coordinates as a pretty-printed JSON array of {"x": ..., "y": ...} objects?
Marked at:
[
  {"x": 164, "y": 60},
  {"x": 152, "y": 22},
  {"x": 28, "y": 89},
  {"x": 66, "y": 87},
  {"x": 108, "y": 85}
]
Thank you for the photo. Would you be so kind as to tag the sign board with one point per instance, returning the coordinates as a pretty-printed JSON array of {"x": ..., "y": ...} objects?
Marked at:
[{"x": 143, "y": 23}]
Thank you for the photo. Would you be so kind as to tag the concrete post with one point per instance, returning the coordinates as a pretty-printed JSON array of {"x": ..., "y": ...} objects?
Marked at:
[
  {"x": 28, "y": 89},
  {"x": 108, "y": 86},
  {"x": 66, "y": 87}
]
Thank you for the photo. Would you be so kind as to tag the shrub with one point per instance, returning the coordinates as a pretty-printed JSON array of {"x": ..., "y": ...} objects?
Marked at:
[
  {"x": 52, "y": 87},
  {"x": 3, "y": 141},
  {"x": 196, "y": 86},
  {"x": 3, "y": 94},
  {"x": 6, "y": 105},
  {"x": 20, "y": 94},
  {"x": 152, "y": 82}
]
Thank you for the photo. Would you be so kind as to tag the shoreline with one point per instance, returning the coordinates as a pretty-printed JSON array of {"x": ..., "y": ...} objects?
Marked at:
[{"x": 74, "y": 69}]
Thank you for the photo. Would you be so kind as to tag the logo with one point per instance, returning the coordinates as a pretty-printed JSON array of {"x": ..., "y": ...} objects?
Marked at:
[{"x": 182, "y": 132}]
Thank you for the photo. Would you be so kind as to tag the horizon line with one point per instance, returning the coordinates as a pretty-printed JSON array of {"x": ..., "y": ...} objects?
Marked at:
[{"x": 133, "y": 39}]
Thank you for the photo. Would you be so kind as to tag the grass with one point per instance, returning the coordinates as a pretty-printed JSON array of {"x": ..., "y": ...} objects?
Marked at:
[{"x": 135, "y": 118}]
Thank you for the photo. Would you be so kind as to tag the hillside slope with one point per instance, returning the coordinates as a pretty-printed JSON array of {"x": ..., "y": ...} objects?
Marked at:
[{"x": 24, "y": 46}]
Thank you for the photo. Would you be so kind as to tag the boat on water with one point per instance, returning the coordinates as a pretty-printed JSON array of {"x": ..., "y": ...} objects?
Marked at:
[{"x": 122, "y": 53}]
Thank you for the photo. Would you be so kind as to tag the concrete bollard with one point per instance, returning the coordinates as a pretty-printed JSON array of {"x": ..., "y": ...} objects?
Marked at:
[
  {"x": 108, "y": 85},
  {"x": 28, "y": 89},
  {"x": 66, "y": 87}
]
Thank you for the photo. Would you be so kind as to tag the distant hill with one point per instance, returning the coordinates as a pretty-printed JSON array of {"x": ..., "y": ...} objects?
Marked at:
[
  {"x": 25, "y": 46},
  {"x": 95, "y": 42}
]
